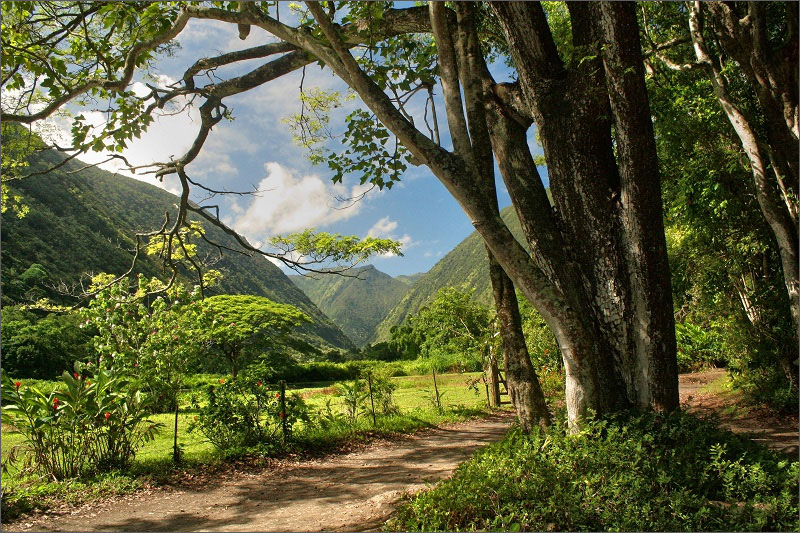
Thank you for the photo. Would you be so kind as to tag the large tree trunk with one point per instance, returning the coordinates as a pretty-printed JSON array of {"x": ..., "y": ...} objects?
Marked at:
[
  {"x": 521, "y": 379},
  {"x": 591, "y": 314},
  {"x": 609, "y": 206}
]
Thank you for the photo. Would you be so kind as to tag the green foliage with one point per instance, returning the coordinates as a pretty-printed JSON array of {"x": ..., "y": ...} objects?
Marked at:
[
  {"x": 93, "y": 420},
  {"x": 36, "y": 346},
  {"x": 465, "y": 267},
  {"x": 240, "y": 327},
  {"x": 452, "y": 325},
  {"x": 729, "y": 294},
  {"x": 645, "y": 472},
  {"x": 541, "y": 342},
  {"x": 353, "y": 395},
  {"x": 333, "y": 247},
  {"x": 244, "y": 412},
  {"x": 146, "y": 332},
  {"x": 697, "y": 347}
]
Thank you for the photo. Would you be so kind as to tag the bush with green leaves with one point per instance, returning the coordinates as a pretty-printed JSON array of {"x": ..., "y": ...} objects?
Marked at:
[
  {"x": 246, "y": 412},
  {"x": 645, "y": 472},
  {"x": 39, "y": 345},
  {"x": 353, "y": 395},
  {"x": 92, "y": 421},
  {"x": 698, "y": 347},
  {"x": 146, "y": 331}
]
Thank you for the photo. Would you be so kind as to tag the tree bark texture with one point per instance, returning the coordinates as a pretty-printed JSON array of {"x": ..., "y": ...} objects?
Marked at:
[
  {"x": 608, "y": 206},
  {"x": 521, "y": 378},
  {"x": 522, "y": 381}
]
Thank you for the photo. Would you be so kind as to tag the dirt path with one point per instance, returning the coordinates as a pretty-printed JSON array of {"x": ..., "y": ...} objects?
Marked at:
[
  {"x": 701, "y": 397},
  {"x": 357, "y": 491},
  {"x": 352, "y": 492}
]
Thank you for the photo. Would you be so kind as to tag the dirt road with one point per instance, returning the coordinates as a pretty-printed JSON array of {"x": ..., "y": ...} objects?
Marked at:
[{"x": 352, "y": 492}]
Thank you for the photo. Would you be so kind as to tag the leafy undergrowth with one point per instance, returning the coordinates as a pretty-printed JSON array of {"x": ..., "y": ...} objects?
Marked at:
[{"x": 646, "y": 472}]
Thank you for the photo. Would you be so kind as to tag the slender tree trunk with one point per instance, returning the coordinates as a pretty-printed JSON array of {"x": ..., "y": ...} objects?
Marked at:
[
  {"x": 523, "y": 383},
  {"x": 777, "y": 94}
]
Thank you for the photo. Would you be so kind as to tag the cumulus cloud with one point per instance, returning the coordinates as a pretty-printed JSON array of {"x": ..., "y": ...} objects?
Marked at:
[
  {"x": 291, "y": 202},
  {"x": 386, "y": 228}
]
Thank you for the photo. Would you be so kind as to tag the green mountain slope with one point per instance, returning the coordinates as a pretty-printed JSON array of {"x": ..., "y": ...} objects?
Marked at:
[
  {"x": 410, "y": 279},
  {"x": 84, "y": 223},
  {"x": 465, "y": 267},
  {"x": 356, "y": 304}
]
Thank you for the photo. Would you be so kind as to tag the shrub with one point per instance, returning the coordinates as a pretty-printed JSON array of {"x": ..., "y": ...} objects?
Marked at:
[
  {"x": 92, "y": 421},
  {"x": 645, "y": 472},
  {"x": 697, "y": 347},
  {"x": 244, "y": 412}
]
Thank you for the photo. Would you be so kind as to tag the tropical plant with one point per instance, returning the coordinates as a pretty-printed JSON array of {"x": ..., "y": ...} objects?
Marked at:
[{"x": 93, "y": 421}]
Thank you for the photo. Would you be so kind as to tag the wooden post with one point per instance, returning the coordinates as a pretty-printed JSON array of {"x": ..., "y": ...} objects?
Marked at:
[
  {"x": 283, "y": 409},
  {"x": 486, "y": 384},
  {"x": 176, "y": 454},
  {"x": 436, "y": 388},
  {"x": 371, "y": 400},
  {"x": 494, "y": 380}
]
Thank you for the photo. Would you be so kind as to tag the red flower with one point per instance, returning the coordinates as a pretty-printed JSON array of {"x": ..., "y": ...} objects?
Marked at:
[
  {"x": 259, "y": 383},
  {"x": 108, "y": 415},
  {"x": 75, "y": 375},
  {"x": 282, "y": 415},
  {"x": 221, "y": 381},
  {"x": 56, "y": 401},
  {"x": 17, "y": 384},
  {"x": 233, "y": 324},
  {"x": 277, "y": 394}
]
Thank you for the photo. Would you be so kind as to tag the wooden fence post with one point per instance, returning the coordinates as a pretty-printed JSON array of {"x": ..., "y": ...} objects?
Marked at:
[
  {"x": 283, "y": 409},
  {"x": 436, "y": 389},
  {"x": 371, "y": 400},
  {"x": 176, "y": 454},
  {"x": 494, "y": 380}
]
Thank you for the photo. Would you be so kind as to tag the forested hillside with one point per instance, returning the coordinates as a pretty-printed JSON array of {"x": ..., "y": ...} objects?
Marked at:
[
  {"x": 465, "y": 267},
  {"x": 84, "y": 222},
  {"x": 357, "y": 302}
]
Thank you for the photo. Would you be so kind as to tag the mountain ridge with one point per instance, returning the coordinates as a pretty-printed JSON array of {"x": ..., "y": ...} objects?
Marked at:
[
  {"x": 84, "y": 220},
  {"x": 356, "y": 301}
]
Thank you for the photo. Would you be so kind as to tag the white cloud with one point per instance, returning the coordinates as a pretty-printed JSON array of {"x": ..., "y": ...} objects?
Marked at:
[
  {"x": 290, "y": 202},
  {"x": 387, "y": 229}
]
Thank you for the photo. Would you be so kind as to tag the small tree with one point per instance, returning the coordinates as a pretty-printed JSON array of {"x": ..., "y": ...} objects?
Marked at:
[
  {"x": 236, "y": 326},
  {"x": 452, "y": 325},
  {"x": 146, "y": 333}
]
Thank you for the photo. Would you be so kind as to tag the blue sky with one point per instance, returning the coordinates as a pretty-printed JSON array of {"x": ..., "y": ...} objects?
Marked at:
[{"x": 255, "y": 150}]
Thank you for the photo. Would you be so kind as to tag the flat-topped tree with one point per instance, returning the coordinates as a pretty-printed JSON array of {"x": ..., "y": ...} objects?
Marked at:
[
  {"x": 597, "y": 268},
  {"x": 238, "y": 327}
]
